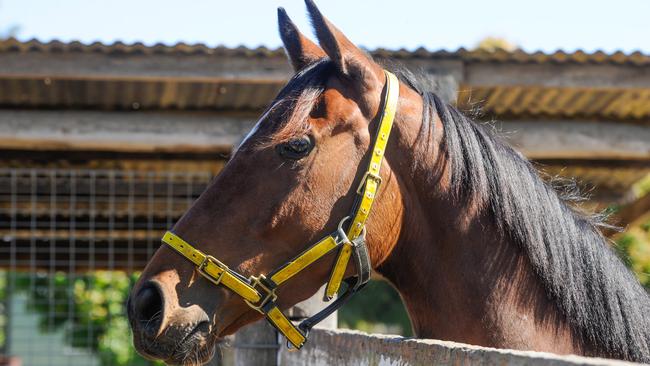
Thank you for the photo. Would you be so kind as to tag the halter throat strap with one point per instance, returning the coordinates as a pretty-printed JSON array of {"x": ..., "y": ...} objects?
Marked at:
[{"x": 348, "y": 240}]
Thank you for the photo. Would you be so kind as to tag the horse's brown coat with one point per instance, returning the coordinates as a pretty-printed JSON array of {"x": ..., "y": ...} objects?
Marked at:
[{"x": 459, "y": 279}]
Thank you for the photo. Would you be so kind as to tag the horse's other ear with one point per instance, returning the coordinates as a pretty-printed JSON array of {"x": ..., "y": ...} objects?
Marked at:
[
  {"x": 300, "y": 49},
  {"x": 350, "y": 60}
]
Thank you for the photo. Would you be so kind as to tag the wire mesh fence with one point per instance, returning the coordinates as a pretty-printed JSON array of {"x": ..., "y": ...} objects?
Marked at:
[{"x": 72, "y": 243}]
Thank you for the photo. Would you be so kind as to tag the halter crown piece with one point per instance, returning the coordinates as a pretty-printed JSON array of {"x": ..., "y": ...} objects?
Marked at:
[{"x": 259, "y": 291}]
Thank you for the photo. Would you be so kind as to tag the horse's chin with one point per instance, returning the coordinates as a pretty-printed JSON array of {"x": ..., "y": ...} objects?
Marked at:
[{"x": 193, "y": 353}]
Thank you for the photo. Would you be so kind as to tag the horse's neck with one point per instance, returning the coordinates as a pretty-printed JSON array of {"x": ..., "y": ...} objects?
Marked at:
[{"x": 459, "y": 278}]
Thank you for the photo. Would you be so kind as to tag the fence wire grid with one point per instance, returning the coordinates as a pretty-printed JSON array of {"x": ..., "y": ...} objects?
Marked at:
[{"x": 72, "y": 243}]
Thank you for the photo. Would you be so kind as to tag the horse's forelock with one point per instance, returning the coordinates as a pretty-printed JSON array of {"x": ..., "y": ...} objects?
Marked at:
[{"x": 294, "y": 103}]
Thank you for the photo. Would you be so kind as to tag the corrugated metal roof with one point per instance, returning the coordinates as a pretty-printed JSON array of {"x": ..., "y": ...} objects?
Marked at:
[
  {"x": 133, "y": 92},
  {"x": 253, "y": 95},
  {"x": 559, "y": 57},
  {"x": 540, "y": 101},
  {"x": 518, "y": 56},
  {"x": 138, "y": 93},
  {"x": 55, "y": 46}
]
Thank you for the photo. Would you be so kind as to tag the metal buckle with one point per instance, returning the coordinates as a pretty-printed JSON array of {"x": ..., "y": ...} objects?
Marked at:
[
  {"x": 270, "y": 293},
  {"x": 368, "y": 175},
  {"x": 210, "y": 259}
]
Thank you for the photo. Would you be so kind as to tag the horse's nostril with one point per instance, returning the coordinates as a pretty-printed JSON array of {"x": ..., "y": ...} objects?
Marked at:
[{"x": 148, "y": 307}]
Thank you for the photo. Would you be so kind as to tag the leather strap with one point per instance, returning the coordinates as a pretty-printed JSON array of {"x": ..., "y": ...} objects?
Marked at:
[
  {"x": 258, "y": 292},
  {"x": 280, "y": 322},
  {"x": 369, "y": 185},
  {"x": 212, "y": 269},
  {"x": 303, "y": 260}
]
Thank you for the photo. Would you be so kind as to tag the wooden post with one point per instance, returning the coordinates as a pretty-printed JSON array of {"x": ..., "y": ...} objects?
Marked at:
[
  {"x": 259, "y": 343},
  {"x": 256, "y": 344}
]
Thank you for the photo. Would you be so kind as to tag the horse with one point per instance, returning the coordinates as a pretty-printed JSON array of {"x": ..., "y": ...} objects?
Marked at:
[{"x": 481, "y": 249}]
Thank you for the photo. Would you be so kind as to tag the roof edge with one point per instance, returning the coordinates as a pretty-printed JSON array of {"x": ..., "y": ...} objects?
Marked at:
[{"x": 518, "y": 56}]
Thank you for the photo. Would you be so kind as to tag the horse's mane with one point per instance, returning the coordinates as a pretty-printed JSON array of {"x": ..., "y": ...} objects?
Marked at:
[
  {"x": 605, "y": 305},
  {"x": 601, "y": 299}
]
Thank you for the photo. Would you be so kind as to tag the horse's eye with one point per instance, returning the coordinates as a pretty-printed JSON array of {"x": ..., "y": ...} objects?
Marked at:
[{"x": 296, "y": 148}]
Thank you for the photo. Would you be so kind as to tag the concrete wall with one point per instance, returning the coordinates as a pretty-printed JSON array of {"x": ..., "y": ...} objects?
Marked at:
[{"x": 345, "y": 347}]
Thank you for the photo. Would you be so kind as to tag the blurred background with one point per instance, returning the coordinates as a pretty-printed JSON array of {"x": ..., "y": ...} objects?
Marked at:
[{"x": 114, "y": 116}]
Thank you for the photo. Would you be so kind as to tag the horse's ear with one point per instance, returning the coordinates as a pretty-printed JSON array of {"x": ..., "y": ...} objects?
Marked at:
[
  {"x": 350, "y": 60},
  {"x": 300, "y": 49}
]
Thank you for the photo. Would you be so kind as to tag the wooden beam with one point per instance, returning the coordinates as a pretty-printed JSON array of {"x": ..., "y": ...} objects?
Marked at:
[
  {"x": 138, "y": 64},
  {"x": 577, "y": 139},
  {"x": 556, "y": 75},
  {"x": 141, "y": 132},
  {"x": 201, "y": 132},
  {"x": 273, "y": 65}
]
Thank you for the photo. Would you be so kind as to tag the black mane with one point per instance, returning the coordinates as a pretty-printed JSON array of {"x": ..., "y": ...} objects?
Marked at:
[{"x": 602, "y": 300}]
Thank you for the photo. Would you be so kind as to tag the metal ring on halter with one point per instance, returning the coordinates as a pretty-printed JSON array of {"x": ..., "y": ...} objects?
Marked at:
[
  {"x": 342, "y": 237},
  {"x": 290, "y": 347},
  {"x": 305, "y": 333}
]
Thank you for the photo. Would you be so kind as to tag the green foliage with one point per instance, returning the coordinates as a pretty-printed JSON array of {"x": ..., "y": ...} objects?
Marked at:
[
  {"x": 378, "y": 309},
  {"x": 642, "y": 186},
  {"x": 115, "y": 348},
  {"x": 633, "y": 247},
  {"x": 89, "y": 308},
  {"x": 3, "y": 317}
]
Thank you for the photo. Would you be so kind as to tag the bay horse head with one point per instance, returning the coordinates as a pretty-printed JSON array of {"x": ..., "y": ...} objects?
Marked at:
[
  {"x": 481, "y": 249},
  {"x": 290, "y": 183}
]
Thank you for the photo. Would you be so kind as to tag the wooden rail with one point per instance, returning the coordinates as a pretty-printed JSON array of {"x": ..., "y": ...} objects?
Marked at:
[{"x": 345, "y": 347}]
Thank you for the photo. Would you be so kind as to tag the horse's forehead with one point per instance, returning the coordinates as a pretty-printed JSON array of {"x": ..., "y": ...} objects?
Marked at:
[
  {"x": 335, "y": 104},
  {"x": 337, "y": 100},
  {"x": 254, "y": 131}
]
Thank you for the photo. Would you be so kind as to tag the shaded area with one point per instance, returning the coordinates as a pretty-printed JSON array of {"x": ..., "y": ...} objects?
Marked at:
[{"x": 377, "y": 309}]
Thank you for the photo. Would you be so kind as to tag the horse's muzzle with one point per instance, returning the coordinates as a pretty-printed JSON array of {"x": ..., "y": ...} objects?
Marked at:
[{"x": 173, "y": 335}]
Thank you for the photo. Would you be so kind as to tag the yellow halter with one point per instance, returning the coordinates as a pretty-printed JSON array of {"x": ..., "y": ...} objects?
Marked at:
[{"x": 259, "y": 292}]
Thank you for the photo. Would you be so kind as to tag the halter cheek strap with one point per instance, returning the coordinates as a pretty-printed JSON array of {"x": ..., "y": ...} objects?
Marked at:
[
  {"x": 368, "y": 188},
  {"x": 349, "y": 239}
]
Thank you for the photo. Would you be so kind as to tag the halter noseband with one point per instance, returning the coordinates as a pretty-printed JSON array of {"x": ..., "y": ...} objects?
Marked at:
[{"x": 259, "y": 292}]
